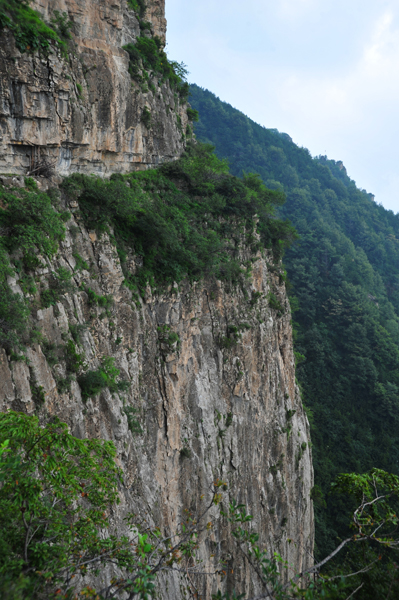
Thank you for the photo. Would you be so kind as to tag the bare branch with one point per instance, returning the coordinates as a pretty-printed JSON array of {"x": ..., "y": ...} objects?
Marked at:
[{"x": 354, "y": 591}]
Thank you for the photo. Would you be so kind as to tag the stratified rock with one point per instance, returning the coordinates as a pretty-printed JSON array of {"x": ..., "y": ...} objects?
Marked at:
[
  {"x": 210, "y": 406},
  {"x": 84, "y": 112}
]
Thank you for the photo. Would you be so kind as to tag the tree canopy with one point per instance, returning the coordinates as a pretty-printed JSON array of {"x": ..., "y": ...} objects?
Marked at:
[{"x": 344, "y": 278}]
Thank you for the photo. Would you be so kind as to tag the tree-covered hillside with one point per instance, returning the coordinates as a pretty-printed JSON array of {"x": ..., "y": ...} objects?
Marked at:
[{"x": 344, "y": 275}]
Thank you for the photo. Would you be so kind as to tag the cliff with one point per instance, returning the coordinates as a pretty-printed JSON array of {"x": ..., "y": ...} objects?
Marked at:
[
  {"x": 79, "y": 109},
  {"x": 217, "y": 399},
  {"x": 206, "y": 372}
]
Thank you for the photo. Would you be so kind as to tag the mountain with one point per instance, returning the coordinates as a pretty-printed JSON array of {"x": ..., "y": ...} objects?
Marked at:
[
  {"x": 147, "y": 309},
  {"x": 344, "y": 277}
]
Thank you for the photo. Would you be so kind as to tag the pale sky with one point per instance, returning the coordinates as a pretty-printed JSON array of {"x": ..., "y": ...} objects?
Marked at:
[{"x": 324, "y": 71}]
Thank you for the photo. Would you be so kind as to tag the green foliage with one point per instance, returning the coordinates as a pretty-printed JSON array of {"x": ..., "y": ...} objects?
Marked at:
[
  {"x": 93, "y": 382},
  {"x": 275, "y": 304},
  {"x": 95, "y": 299},
  {"x": 80, "y": 90},
  {"x": 132, "y": 421},
  {"x": 138, "y": 6},
  {"x": 30, "y": 31},
  {"x": 185, "y": 452},
  {"x": 75, "y": 361},
  {"x": 146, "y": 117},
  {"x": 193, "y": 115},
  {"x": 148, "y": 54},
  {"x": 62, "y": 25},
  {"x": 60, "y": 283},
  {"x": 28, "y": 221},
  {"x": 169, "y": 340},
  {"x": 344, "y": 273},
  {"x": 14, "y": 317},
  {"x": 81, "y": 264},
  {"x": 181, "y": 218},
  {"x": 54, "y": 490},
  {"x": 233, "y": 335}
]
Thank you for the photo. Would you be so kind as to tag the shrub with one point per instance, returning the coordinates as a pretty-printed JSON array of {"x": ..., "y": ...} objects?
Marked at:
[
  {"x": 170, "y": 340},
  {"x": 62, "y": 24},
  {"x": 180, "y": 218},
  {"x": 275, "y": 304},
  {"x": 93, "y": 382},
  {"x": 60, "y": 283},
  {"x": 29, "y": 221},
  {"x": 193, "y": 115},
  {"x": 148, "y": 53},
  {"x": 138, "y": 6},
  {"x": 54, "y": 492},
  {"x": 74, "y": 360},
  {"x": 132, "y": 421},
  {"x": 30, "y": 31},
  {"x": 95, "y": 299},
  {"x": 14, "y": 317},
  {"x": 146, "y": 117}
]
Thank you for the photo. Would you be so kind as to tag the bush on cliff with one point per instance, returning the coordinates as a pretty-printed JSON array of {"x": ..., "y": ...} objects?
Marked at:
[
  {"x": 30, "y": 31},
  {"x": 28, "y": 225},
  {"x": 185, "y": 219}
]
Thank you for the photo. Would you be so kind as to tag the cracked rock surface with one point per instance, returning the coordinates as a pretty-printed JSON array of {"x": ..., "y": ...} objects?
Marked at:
[
  {"x": 208, "y": 407},
  {"x": 84, "y": 112}
]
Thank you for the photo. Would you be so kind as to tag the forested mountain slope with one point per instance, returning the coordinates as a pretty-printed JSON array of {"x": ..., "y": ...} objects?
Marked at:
[{"x": 344, "y": 274}]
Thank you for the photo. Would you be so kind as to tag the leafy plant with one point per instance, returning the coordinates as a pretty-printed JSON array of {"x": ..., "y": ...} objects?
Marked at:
[
  {"x": 169, "y": 340},
  {"x": 146, "y": 117},
  {"x": 60, "y": 283},
  {"x": 75, "y": 361},
  {"x": 192, "y": 114},
  {"x": 62, "y": 25},
  {"x": 29, "y": 221},
  {"x": 96, "y": 299},
  {"x": 30, "y": 31},
  {"x": 275, "y": 304},
  {"x": 132, "y": 421},
  {"x": 93, "y": 382},
  {"x": 138, "y": 6},
  {"x": 149, "y": 54},
  {"x": 161, "y": 218},
  {"x": 53, "y": 494}
]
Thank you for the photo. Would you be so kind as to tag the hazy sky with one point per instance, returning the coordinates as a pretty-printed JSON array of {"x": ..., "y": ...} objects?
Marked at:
[{"x": 324, "y": 71}]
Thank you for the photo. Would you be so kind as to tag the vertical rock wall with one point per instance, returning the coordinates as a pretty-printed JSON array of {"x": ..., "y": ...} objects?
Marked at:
[
  {"x": 83, "y": 112},
  {"x": 183, "y": 395}
]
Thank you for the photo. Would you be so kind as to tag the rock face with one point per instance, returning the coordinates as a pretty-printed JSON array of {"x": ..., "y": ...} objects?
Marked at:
[
  {"x": 84, "y": 113},
  {"x": 217, "y": 398},
  {"x": 208, "y": 408}
]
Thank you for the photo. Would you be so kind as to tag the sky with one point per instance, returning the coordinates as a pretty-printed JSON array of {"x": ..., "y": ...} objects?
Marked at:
[{"x": 324, "y": 71}]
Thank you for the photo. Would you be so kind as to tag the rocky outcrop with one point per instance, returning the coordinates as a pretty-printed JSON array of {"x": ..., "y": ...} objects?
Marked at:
[
  {"x": 218, "y": 399},
  {"x": 84, "y": 112}
]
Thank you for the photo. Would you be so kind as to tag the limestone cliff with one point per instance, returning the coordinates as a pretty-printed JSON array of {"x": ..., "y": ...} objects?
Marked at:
[
  {"x": 82, "y": 111},
  {"x": 207, "y": 409},
  {"x": 194, "y": 409}
]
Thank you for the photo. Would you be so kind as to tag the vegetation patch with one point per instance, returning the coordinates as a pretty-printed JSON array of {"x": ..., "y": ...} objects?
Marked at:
[
  {"x": 60, "y": 283},
  {"x": 169, "y": 340},
  {"x": 28, "y": 225},
  {"x": 275, "y": 304},
  {"x": 181, "y": 218},
  {"x": 30, "y": 31},
  {"x": 147, "y": 56},
  {"x": 132, "y": 421},
  {"x": 96, "y": 299},
  {"x": 93, "y": 382}
]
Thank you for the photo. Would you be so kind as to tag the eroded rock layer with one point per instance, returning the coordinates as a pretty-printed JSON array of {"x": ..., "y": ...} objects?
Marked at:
[
  {"x": 84, "y": 112},
  {"x": 209, "y": 406}
]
